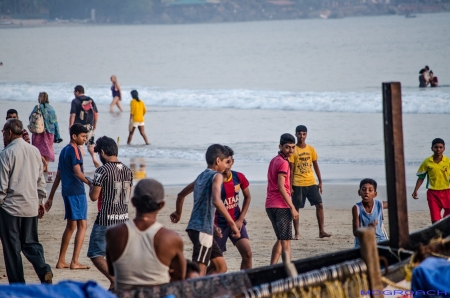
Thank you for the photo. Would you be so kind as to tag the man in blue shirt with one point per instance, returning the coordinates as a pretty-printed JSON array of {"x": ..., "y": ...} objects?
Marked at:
[{"x": 70, "y": 173}]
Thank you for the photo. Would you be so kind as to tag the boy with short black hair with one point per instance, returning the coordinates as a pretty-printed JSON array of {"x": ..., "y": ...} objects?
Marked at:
[
  {"x": 369, "y": 212},
  {"x": 303, "y": 183},
  {"x": 207, "y": 197},
  {"x": 437, "y": 170},
  {"x": 13, "y": 114},
  {"x": 279, "y": 205},
  {"x": 71, "y": 174}
]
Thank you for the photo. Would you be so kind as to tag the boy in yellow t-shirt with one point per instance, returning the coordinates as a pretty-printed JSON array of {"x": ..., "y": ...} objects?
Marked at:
[
  {"x": 436, "y": 168},
  {"x": 303, "y": 182}
]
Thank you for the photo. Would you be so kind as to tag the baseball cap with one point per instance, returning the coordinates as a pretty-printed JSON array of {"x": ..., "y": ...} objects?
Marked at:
[{"x": 151, "y": 189}]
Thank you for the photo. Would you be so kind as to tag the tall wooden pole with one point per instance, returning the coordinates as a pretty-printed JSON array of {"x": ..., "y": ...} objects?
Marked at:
[{"x": 395, "y": 164}]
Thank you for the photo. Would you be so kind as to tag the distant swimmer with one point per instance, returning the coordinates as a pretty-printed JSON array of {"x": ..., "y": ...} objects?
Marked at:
[
  {"x": 1, "y": 63},
  {"x": 433, "y": 79},
  {"x": 116, "y": 94},
  {"x": 423, "y": 79}
]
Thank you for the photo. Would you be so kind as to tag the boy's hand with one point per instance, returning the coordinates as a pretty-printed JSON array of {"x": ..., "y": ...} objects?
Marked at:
[
  {"x": 217, "y": 232},
  {"x": 320, "y": 187},
  {"x": 175, "y": 217},
  {"x": 235, "y": 233},
  {"x": 414, "y": 195},
  {"x": 294, "y": 213},
  {"x": 374, "y": 223},
  {"x": 48, "y": 204},
  {"x": 41, "y": 211},
  {"x": 239, "y": 223}
]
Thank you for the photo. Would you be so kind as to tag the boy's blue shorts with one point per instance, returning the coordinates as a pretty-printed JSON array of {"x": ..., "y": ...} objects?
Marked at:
[{"x": 76, "y": 207}]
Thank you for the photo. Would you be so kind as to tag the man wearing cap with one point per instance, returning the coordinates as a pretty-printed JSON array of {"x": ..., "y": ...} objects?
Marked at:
[
  {"x": 303, "y": 182},
  {"x": 141, "y": 252},
  {"x": 114, "y": 181}
]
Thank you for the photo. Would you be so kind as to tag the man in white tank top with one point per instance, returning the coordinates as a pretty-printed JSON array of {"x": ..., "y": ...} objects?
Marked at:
[{"x": 141, "y": 252}]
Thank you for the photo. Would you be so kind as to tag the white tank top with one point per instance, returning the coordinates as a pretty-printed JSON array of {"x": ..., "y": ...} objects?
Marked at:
[{"x": 139, "y": 265}]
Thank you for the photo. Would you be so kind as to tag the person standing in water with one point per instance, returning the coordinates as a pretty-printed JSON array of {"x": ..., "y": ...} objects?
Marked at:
[
  {"x": 137, "y": 112},
  {"x": 116, "y": 94}
]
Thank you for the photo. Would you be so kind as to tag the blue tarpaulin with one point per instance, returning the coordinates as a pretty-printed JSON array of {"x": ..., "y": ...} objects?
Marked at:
[
  {"x": 64, "y": 289},
  {"x": 431, "y": 278}
]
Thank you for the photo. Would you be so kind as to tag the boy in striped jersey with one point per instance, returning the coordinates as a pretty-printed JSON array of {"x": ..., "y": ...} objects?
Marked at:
[{"x": 114, "y": 180}]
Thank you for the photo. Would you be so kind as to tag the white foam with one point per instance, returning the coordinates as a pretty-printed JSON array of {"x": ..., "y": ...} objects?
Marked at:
[{"x": 415, "y": 100}]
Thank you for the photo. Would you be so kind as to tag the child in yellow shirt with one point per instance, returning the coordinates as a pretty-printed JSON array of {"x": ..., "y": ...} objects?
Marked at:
[{"x": 137, "y": 113}]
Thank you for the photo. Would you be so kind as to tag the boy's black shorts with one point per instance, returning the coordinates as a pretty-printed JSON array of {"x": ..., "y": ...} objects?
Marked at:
[
  {"x": 205, "y": 247},
  {"x": 301, "y": 193}
]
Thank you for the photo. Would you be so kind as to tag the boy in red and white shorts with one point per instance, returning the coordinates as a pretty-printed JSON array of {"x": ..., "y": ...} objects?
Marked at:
[{"x": 436, "y": 168}]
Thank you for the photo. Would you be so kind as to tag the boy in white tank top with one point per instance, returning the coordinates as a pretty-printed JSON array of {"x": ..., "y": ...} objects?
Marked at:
[{"x": 141, "y": 252}]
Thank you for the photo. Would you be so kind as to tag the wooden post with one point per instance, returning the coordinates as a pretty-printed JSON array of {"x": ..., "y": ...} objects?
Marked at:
[
  {"x": 395, "y": 165},
  {"x": 369, "y": 253}
]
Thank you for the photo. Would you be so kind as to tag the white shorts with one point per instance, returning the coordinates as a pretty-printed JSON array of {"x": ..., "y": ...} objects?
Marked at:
[{"x": 136, "y": 124}]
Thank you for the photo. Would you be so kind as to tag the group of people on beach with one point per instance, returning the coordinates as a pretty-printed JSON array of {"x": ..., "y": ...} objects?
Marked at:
[
  {"x": 141, "y": 251},
  {"x": 427, "y": 77}
]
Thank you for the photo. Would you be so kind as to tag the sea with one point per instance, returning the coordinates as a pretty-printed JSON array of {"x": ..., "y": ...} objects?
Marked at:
[{"x": 242, "y": 85}]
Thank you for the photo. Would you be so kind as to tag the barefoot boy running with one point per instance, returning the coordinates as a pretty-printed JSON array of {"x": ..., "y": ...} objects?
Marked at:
[
  {"x": 437, "y": 170},
  {"x": 207, "y": 198},
  {"x": 303, "y": 182},
  {"x": 279, "y": 206}
]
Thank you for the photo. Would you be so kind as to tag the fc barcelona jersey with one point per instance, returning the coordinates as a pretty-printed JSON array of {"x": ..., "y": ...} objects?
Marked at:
[{"x": 230, "y": 197}]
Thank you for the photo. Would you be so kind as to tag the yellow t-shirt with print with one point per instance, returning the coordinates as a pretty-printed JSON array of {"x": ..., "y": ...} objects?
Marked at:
[
  {"x": 138, "y": 110},
  {"x": 303, "y": 158},
  {"x": 437, "y": 174}
]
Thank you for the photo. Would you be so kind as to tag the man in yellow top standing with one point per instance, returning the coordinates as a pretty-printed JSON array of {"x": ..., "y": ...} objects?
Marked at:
[
  {"x": 137, "y": 112},
  {"x": 303, "y": 182},
  {"x": 436, "y": 168}
]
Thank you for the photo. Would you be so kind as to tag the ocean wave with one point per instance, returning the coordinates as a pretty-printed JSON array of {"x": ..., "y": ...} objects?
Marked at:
[{"x": 433, "y": 101}]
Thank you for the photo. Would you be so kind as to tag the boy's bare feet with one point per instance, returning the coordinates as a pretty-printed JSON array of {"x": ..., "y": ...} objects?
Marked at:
[
  {"x": 78, "y": 266},
  {"x": 324, "y": 234},
  {"x": 62, "y": 265}
]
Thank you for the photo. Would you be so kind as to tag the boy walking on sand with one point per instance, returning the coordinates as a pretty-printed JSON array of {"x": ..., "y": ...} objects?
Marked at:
[
  {"x": 437, "y": 170},
  {"x": 207, "y": 197},
  {"x": 70, "y": 173},
  {"x": 233, "y": 183},
  {"x": 279, "y": 206},
  {"x": 303, "y": 183},
  {"x": 369, "y": 212}
]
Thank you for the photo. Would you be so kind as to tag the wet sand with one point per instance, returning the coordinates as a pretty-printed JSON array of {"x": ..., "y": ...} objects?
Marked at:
[{"x": 338, "y": 221}]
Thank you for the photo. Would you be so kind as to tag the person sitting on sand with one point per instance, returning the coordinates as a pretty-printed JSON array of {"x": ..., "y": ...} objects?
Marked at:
[
  {"x": 137, "y": 113},
  {"x": 369, "y": 212},
  {"x": 114, "y": 181},
  {"x": 303, "y": 183},
  {"x": 141, "y": 252},
  {"x": 233, "y": 183},
  {"x": 279, "y": 207},
  {"x": 12, "y": 114},
  {"x": 71, "y": 174},
  {"x": 433, "y": 79},
  {"x": 423, "y": 79}
]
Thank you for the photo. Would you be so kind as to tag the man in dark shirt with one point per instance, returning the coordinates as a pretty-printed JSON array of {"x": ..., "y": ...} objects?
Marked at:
[{"x": 84, "y": 111}]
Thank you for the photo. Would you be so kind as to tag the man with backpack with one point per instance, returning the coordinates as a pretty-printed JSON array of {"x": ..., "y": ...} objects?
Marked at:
[{"x": 84, "y": 111}]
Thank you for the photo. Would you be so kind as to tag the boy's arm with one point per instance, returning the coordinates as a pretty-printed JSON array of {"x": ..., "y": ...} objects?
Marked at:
[
  {"x": 245, "y": 206},
  {"x": 291, "y": 177},
  {"x": 385, "y": 204},
  {"x": 79, "y": 174},
  {"x": 418, "y": 184},
  {"x": 49, "y": 202},
  {"x": 319, "y": 177},
  {"x": 284, "y": 194},
  {"x": 176, "y": 216},
  {"x": 94, "y": 192},
  {"x": 217, "y": 201},
  {"x": 355, "y": 219}
]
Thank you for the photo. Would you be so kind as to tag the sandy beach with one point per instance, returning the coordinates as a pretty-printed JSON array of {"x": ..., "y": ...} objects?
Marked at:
[{"x": 337, "y": 221}]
